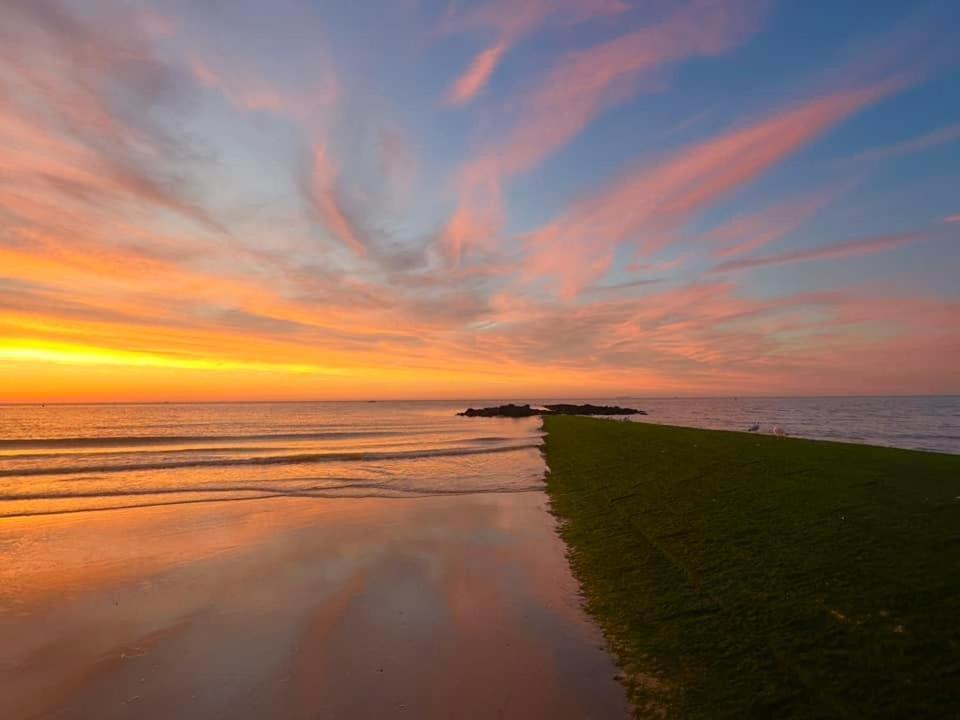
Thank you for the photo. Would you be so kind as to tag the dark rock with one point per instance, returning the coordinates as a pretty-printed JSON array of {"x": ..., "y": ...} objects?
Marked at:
[
  {"x": 522, "y": 411},
  {"x": 513, "y": 411}
]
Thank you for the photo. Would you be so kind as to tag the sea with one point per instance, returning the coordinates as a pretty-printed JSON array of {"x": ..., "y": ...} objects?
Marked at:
[{"x": 57, "y": 459}]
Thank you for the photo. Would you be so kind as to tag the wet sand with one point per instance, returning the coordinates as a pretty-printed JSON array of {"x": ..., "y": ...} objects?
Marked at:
[{"x": 298, "y": 608}]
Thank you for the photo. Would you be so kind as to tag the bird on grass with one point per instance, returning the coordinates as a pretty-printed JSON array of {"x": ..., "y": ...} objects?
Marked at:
[
  {"x": 779, "y": 431},
  {"x": 754, "y": 427}
]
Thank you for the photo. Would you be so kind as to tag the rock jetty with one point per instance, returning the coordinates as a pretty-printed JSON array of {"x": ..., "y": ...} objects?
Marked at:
[{"x": 522, "y": 411}]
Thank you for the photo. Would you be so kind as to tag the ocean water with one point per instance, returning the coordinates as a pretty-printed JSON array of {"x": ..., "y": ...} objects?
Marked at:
[
  {"x": 58, "y": 459},
  {"x": 343, "y": 560},
  {"x": 916, "y": 423},
  {"x": 65, "y": 459}
]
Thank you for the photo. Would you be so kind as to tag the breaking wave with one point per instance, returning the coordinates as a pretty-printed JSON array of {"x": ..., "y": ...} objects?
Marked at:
[{"x": 296, "y": 459}]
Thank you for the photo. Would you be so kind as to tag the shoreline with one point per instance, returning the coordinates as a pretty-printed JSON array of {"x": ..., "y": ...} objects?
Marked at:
[{"x": 737, "y": 574}]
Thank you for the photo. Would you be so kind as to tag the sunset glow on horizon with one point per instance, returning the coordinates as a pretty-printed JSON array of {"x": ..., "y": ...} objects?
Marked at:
[{"x": 495, "y": 198}]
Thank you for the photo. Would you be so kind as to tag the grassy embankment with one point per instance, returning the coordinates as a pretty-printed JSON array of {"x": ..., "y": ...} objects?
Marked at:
[{"x": 738, "y": 575}]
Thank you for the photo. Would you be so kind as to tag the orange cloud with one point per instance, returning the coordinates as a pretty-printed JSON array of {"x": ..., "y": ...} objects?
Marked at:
[{"x": 710, "y": 338}]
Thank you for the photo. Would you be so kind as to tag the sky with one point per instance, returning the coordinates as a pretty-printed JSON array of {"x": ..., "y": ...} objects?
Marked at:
[{"x": 332, "y": 199}]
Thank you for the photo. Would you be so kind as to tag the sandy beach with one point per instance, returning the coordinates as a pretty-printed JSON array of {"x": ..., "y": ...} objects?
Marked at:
[{"x": 298, "y": 608}]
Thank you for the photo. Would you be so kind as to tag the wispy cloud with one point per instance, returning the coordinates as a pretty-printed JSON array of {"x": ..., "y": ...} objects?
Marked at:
[
  {"x": 94, "y": 86},
  {"x": 579, "y": 86},
  {"x": 658, "y": 267},
  {"x": 746, "y": 233},
  {"x": 645, "y": 205},
  {"x": 218, "y": 202},
  {"x": 476, "y": 77},
  {"x": 510, "y": 20},
  {"x": 864, "y": 246},
  {"x": 576, "y": 90},
  {"x": 254, "y": 96},
  {"x": 928, "y": 141},
  {"x": 321, "y": 192}
]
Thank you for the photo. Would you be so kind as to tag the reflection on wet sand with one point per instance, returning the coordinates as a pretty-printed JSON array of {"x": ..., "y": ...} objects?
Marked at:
[{"x": 298, "y": 608}]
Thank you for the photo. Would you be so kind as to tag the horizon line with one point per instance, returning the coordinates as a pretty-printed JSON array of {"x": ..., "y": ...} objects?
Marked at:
[{"x": 475, "y": 399}]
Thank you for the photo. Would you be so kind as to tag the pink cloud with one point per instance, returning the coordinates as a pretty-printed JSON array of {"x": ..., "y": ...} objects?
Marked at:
[
  {"x": 95, "y": 250},
  {"x": 511, "y": 20},
  {"x": 479, "y": 215},
  {"x": 657, "y": 267},
  {"x": 92, "y": 86},
  {"x": 323, "y": 198},
  {"x": 915, "y": 336},
  {"x": 839, "y": 251},
  {"x": 749, "y": 232},
  {"x": 246, "y": 90},
  {"x": 942, "y": 136},
  {"x": 644, "y": 205},
  {"x": 254, "y": 97},
  {"x": 476, "y": 77},
  {"x": 581, "y": 85}
]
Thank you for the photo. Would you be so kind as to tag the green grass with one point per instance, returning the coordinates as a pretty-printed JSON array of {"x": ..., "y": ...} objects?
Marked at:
[{"x": 737, "y": 575}]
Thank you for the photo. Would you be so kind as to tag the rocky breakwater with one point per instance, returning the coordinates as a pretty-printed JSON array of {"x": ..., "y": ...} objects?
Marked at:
[{"x": 522, "y": 411}]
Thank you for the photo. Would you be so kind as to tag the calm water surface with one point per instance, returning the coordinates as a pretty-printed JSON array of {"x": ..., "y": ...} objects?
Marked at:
[{"x": 915, "y": 423}]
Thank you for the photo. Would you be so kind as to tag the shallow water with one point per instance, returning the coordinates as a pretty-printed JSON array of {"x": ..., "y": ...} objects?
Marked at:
[
  {"x": 298, "y": 608},
  {"x": 334, "y": 560},
  {"x": 75, "y": 458}
]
